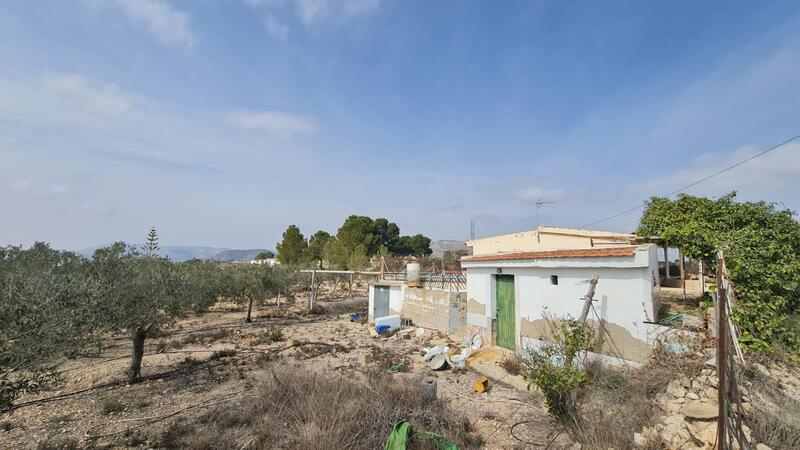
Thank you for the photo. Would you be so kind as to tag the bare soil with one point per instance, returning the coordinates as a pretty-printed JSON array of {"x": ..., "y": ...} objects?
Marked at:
[{"x": 213, "y": 361}]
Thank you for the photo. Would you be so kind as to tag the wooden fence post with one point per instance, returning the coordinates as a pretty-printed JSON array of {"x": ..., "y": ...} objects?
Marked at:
[{"x": 722, "y": 354}]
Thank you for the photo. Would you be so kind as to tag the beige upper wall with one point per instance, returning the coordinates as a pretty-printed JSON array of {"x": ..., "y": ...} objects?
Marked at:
[{"x": 548, "y": 238}]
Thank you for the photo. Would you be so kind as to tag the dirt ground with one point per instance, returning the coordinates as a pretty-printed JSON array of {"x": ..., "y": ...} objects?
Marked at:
[{"x": 215, "y": 357}]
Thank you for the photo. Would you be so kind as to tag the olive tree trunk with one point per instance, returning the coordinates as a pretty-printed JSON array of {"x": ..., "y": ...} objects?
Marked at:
[
  {"x": 135, "y": 370},
  {"x": 248, "y": 319}
]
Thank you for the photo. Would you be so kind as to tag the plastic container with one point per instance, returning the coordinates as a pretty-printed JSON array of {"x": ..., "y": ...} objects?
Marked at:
[{"x": 390, "y": 323}]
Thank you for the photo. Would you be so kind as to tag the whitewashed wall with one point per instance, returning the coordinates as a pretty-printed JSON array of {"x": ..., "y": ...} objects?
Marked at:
[{"x": 624, "y": 293}]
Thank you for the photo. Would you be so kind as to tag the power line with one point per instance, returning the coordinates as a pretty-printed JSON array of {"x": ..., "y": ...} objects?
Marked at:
[{"x": 681, "y": 189}]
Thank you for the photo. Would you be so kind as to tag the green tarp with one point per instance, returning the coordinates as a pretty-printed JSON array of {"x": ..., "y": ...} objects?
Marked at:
[{"x": 398, "y": 438}]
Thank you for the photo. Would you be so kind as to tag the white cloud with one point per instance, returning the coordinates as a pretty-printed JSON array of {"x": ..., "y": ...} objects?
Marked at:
[
  {"x": 760, "y": 178},
  {"x": 275, "y": 121},
  {"x": 276, "y": 27},
  {"x": 358, "y": 7},
  {"x": 104, "y": 99},
  {"x": 168, "y": 24},
  {"x": 534, "y": 194},
  {"x": 313, "y": 12}
]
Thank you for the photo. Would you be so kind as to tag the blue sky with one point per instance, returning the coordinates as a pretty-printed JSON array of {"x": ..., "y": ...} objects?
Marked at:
[{"x": 222, "y": 122}]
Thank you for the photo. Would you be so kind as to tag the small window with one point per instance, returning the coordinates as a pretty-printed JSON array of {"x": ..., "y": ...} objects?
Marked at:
[{"x": 554, "y": 280}]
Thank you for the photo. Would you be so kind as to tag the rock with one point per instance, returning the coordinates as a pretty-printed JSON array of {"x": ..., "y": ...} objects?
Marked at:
[
  {"x": 675, "y": 389},
  {"x": 705, "y": 432},
  {"x": 709, "y": 363},
  {"x": 761, "y": 370},
  {"x": 680, "y": 400},
  {"x": 761, "y": 446},
  {"x": 692, "y": 396},
  {"x": 576, "y": 446},
  {"x": 685, "y": 381},
  {"x": 703, "y": 411},
  {"x": 711, "y": 393}
]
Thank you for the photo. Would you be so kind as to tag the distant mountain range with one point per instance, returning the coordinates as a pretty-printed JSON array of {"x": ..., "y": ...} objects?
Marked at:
[
  {"x": 184, "y": 253},
  {"x": 439, "y": 247}
]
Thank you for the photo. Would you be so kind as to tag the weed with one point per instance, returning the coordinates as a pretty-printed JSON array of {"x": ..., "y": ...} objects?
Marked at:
[
  {"x": 219, "y": 354},
  {"x": 111, "y": 406},
  {"x": 268, "y": 337},
  {"x": 513, "y": 364}
]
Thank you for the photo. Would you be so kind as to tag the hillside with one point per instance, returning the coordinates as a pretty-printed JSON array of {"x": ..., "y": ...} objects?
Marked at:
[{"x": 184, "y": 252}]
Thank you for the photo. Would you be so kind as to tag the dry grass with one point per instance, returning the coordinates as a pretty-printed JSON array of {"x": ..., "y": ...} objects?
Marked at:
[
  {"x": 295, "y": 409},
  {"x": 202, "y": 338},
  {"x": 620, "y": 402},
  {"x": 775, "y": 419}
]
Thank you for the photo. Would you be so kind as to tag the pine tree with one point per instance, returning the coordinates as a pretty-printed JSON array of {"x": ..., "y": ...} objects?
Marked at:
[{"x": 150, "y": 248}]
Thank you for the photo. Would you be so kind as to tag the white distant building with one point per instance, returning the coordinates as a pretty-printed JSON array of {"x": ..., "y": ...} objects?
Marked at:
[{"x": 268, "y": 261}]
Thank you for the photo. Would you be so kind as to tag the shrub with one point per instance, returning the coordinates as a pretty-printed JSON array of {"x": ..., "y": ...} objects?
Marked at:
[
  {"x": 551, "y": 366},
  {"x": 111, "y": 406}
]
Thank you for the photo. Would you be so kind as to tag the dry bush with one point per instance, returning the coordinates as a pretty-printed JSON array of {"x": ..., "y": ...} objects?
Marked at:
[
  {"x": 268, "y": 337},
  {"x": 202, "y": 338},
  {"x": 775, "y": 419},
  {"x": 385, "y": 358},
  {"x": 296, "y": 409},
  {"x": 615, "y": 404},
  {"x": 513, "y": 364},
  {"x": 111, "y": 405}
]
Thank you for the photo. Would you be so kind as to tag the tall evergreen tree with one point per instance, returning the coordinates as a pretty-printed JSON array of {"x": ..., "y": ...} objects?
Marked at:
[
  {"x": 150, "y": 248},
  {"x": 292, "y": 248}
]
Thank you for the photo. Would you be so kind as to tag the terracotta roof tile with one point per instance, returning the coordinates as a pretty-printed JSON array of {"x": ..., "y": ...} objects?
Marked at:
[{"x": 629, "y": 250}]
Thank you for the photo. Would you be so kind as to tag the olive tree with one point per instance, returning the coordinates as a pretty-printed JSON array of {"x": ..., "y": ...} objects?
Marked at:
[
  {"x": 254, "y": 282},
  {"x": 140, "y": 294},
  {"x": 45, "y": 312}
]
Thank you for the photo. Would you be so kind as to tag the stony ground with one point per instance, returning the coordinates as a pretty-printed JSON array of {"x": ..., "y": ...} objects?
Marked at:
[{"x": 215, "y": 357}]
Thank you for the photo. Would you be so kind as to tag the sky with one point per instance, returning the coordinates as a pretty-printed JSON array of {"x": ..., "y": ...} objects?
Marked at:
[{"x": 221, "y": 122}]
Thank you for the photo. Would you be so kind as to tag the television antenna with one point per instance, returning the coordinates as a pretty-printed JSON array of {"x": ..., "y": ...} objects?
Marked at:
[{"x": 539, "y": 204}]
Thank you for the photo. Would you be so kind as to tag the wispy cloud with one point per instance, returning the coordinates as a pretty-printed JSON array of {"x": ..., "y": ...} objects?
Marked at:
[
  {"x": 165, "y": 22},
  {"x": 104, "y": 99},
  {"x": 773, "y": 172},
  {"x": 274, "y": 121},
  {"x": 310, "y": 12},
  {"x": 276, "y": 27}
]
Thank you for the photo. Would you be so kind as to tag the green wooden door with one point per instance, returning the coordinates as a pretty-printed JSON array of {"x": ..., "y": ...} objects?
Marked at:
[{"x": 506, "y": 317}]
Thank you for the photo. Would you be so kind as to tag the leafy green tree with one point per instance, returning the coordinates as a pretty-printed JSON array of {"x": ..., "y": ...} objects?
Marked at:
[
  {"x": 357, "y": 230},
  {"x": 388, "y": 233},
  {"x": 245, "y": 285},
  {"x": 250, "y": 283},
  {"x": 316, "y": 247},
  {"x": 292, "y": 248},
  {"x": 150, "y": 248},
  {"x": 358, "y": 259},
  {"x": 336, "y": 254},
  {"x": 417, "y": 245},
  {"x": 139, "y": 295},
  {"x": 46, "y": 313},
  {"x": 762, "y": 248},
  {"x": 265, "y": 255}
]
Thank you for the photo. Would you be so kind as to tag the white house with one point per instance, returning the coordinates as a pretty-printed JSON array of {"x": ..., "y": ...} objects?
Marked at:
[
  {"x": 509, "y": 294},
  {"x": 271, "y": 262}
]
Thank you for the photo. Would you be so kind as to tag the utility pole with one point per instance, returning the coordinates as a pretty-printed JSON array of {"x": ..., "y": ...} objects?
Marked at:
[
  {"x": 588, "y": 299},
  {"x": 472, "y": 229},
  {"x": 539, "y": 204}
]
